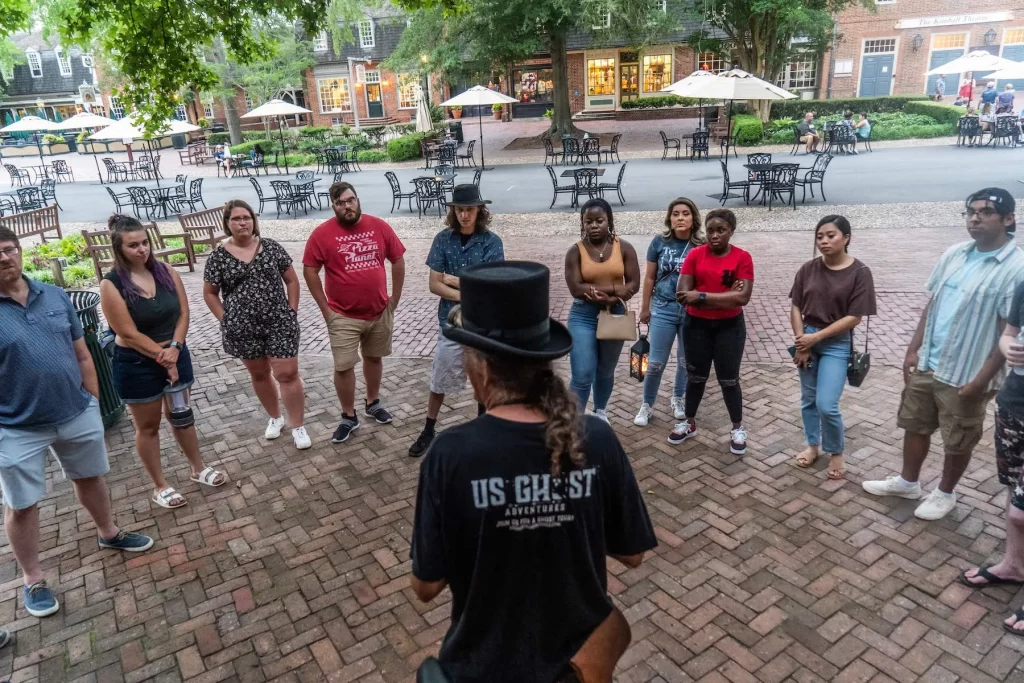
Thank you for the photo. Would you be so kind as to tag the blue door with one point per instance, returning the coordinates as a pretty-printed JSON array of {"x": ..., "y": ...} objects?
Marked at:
[
  {"x": 876, "y": 75},
  {"x": 938, "y": 58},
  {"x": 1016, "y": 53}
]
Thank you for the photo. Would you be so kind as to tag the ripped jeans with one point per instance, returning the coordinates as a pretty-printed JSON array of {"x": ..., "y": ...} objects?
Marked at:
[
  {"x": 717, "y": 342},
  {"x": 666, "y": 328}
]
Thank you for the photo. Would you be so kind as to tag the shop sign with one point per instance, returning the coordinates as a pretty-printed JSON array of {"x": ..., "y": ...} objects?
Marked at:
[{"x": 954, "y": 20}]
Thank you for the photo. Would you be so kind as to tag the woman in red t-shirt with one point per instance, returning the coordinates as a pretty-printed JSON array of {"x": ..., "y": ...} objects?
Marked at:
[{"x": 715, "y": 283}]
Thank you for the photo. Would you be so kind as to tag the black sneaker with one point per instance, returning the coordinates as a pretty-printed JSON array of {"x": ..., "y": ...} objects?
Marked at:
[
  {"x": 421, "y": 444},
  {"x": 345, "y": 428},
  {"x": 377, "y": 412},
  {"x": 681, "y": 432}
]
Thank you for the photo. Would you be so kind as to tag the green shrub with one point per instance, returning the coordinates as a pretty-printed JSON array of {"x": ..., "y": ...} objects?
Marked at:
[
  {"x": 203, "y": 122},
  {"x": 375, "y": 134},
  {"x": 268, "y": 147},
  {"x": 315, "y": 131},
  {"x": 371, "y": 156},
  {"x": 795, "y": 109},
  {"x": 51, "y": 139},
  {"x": 295, "y": 160},
  {"x": 748, "y": 129},
  {"x": 658, "y": 102},
  {"x": 943, "y": 113},
  {"x": 405, "y": 148},
  {"x": 549, "y": 113},
  {"x": 219, "y": 138},
  {"x": 935, "y": 130},
  {"x": 437, "y": 114}
]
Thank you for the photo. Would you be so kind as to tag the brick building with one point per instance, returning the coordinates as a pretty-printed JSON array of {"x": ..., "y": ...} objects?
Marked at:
[
  {"x": 889, "y": 51},
  {"x": 53, "y": 82}
]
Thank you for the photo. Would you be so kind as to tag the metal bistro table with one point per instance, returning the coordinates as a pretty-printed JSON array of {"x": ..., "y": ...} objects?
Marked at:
[
  {"x": 571, "y": 173},
  {"x": 305, "y": 187},
  {"x": 764, "y": 174},
  {"x": 13, "y": 194},
  {"x": 36, "y": 169}
]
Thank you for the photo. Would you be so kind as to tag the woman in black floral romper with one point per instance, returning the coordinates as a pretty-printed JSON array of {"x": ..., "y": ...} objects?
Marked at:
[{"x": 253, "y": 291}]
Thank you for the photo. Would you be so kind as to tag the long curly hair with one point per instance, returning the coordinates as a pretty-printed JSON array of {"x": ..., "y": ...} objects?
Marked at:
[
  {"x": 534, "y": 383},
  {"x": 697, "y": 236},
  {"x": 483, "y": 220},
  {"x": 119, "y": 225}
]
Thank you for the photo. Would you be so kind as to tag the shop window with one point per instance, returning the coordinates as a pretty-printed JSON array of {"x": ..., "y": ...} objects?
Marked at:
[
  {"x": 879, "y": 46},
  {"x": 948, "y": 41},
  {"x": 334, "y": 95},
  {"x": 713, "y": 62},
  {"x": 657, "y": 72},
  {"x": 600, "y": 77},
  {"x": 802, "y": 73},
  {"x": 534, "y": 85},
  {"x": 406, "y": 91},
  {"x": 1013, "y": 36}
]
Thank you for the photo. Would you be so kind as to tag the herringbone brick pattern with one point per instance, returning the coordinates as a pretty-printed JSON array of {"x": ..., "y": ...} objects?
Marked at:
[{"x": 296, "y": 570}]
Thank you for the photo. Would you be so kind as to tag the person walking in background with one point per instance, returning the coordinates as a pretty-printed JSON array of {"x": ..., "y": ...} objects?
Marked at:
[
  {"x": 1009, "y": 441},
  {"x": 660, "y": 310},
  {"x": 953, "y": 365},
  {"x": 715, "y": 283},
  {"x": 146, "y": 306},
  {"x": 466, "y": 242},
  {"x": 351, "y": 248},
  {"x": 482, "y": 528},
  {"x": 251, "y": 288},
  {"x": 830, "y": 295},
  {"x": 808, "y": 132},
  {"x": 50, "y": 401},
  {"x": 966, "y": 92},
  {"x": 1004, "y": 103},
  {"x": 940, "y": 88},
  {"x": 602, "y": 273}
]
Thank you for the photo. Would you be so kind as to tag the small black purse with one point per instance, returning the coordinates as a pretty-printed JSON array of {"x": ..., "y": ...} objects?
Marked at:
[{"x": 859, "y": 364}]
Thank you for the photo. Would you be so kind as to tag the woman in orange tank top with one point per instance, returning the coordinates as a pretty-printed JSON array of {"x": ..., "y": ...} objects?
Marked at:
[{"x": 601, "y": 271}]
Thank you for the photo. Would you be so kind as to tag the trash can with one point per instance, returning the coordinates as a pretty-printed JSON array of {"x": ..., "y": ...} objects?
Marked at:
[
  {"x": 455, "y": 128},
  {"x": 178, "y": 141},
  {"x": 85, "y": 304}
]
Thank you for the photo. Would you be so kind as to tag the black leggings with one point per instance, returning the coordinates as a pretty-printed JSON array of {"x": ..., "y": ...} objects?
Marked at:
[{"x": 719, "y": 342}]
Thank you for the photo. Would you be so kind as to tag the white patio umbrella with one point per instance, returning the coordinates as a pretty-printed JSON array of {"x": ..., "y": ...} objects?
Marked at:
[
  {"x": 131, "y": 128},
  {"x": 692, "y": 80},
  {"x": 978, "y": 60},
  {"x": 423, "y": 122},
  {"x": 735, "y": 84},
  {"x": 82, "y": 121},
  {"x": 1008, "y": 73},
  {"x": 478, "y": 96},
  {"x": 31, "y": 124},
  {"x": 276, "y": 109}
]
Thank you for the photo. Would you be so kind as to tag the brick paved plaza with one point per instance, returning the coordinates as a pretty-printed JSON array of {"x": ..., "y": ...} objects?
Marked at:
[{"x": 297, "y": 569}]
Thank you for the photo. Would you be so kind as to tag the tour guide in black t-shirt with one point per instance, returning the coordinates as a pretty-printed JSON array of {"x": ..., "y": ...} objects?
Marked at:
[{"x": 517, "y": 509}]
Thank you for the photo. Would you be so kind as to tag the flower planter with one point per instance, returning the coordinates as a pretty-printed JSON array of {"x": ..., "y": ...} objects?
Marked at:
[{"x": 457, "y": 113}]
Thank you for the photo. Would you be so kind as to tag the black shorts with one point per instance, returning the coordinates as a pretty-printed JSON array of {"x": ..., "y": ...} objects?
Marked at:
[
  {"x": 140, "y": 379},
  {"x": 1009, "y": 438}
]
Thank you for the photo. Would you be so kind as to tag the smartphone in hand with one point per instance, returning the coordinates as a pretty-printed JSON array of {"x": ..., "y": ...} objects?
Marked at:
[{"x": 792, "y": 353}]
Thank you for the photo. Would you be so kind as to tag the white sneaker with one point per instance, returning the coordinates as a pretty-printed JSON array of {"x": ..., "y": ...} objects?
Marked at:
[
  {"x": 738, "y": 442},
  {"x": 679, "y": 407},
  {"x": 890, "y": 486},
  {"x": 274, "y": 427},
  {"x": 936, "y": 506},
  {"x": 301, "y": 438},
  {"x": 644, "y": 416},
  {"x": 602, "y": 415}
]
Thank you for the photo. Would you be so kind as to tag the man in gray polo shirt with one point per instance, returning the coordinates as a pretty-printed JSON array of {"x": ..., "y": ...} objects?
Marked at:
[{"x": 50, "y": 400}]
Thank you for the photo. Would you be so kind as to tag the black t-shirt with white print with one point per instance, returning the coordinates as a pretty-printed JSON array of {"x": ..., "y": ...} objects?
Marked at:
[{"x": 523, "y": 553}]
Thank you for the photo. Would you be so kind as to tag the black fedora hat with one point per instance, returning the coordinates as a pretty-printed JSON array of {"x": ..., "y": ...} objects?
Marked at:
[
  {"x": 504, "y": 310},
  {"x": 467, "y": 195}
]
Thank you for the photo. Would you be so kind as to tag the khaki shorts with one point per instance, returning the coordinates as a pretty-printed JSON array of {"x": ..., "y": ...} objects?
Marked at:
[
  {"x": 928, "y": 405},
  {"x": 447, "y": 374},
  {"x": 349, "y": 336},
  {"x": 807, "y": 138}
]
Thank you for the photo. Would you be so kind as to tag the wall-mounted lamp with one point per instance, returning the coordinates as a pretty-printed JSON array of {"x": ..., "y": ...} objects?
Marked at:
[
  {"x": 917, "y": 42},
  {"x": 990, "y": 37}
]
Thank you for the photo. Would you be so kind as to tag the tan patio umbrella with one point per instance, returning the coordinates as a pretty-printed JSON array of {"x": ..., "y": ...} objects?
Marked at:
[
  {"x": 276, "y": 109},
  {"x": 477, "y": 96},
  {"x": 423, "y": 122}
]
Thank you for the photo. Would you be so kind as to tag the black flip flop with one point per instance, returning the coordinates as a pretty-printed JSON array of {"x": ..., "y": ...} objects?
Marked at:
[
  {"x": 1010, "y": 629},
  {"x": 990, "y": 579}
]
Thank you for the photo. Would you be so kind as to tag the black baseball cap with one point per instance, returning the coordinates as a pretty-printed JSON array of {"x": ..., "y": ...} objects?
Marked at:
[{"x": 1001, "y": 200}]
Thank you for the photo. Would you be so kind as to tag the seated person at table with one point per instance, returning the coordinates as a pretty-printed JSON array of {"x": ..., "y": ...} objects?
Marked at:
[
  {"x": 1004, "y": 103},
  {"x": 863, "y": 127},
  {"x": 223, "y": 156},
  {"x": 987, "y": 118},
  {"x": 808, "y": 133}
]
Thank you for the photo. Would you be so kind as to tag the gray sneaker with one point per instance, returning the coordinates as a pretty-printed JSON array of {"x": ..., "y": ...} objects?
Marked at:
[{"x": 890, "y": 486}]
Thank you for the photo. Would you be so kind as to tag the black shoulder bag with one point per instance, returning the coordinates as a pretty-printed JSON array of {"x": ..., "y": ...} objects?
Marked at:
[{"x": 859, "y": 363}]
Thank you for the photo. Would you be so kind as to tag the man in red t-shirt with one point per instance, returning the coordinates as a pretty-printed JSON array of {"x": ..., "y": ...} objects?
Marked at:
[{"x": 352, "y": 248}]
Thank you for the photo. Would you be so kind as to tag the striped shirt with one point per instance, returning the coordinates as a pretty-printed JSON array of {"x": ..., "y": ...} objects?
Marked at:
[
  {"x": 983, "y": 308},
  {"x": 41, "y": 378}
]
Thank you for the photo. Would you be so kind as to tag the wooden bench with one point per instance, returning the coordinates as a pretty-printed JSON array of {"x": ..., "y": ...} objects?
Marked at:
[
  {"x": 204, "y": 227},
  {"x": 32, "y": 223},
  {"x": 102, "y": 252}
]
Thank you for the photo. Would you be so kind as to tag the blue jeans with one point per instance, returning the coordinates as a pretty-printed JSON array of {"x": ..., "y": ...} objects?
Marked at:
[
  {"x": 591, "y": 362},
  {"x": 667, "y": 318},
  {"x": 820, "y": 390}
]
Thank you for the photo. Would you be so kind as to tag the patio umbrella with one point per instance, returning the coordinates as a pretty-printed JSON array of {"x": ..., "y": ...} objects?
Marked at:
[
  {"x": 130, "y": 128},
  {"x": 423, "y": 122},
  {"x": 81, "y": 121},
  {"x": 31, "y": 124},
  {"x": 735, "y": 84},
  {"x": 1013, "y": 72},
  {"x": 692, "y": 81},
  {"x": 277, "y": 109},
  {"x": 978, "y": 60},
  {"x": 478, "y": 96}
]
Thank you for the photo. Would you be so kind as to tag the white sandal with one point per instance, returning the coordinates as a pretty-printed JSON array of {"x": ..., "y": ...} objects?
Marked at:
[
  {"x": 208, "y": 476},
  {"x": 164, "y": 498}
]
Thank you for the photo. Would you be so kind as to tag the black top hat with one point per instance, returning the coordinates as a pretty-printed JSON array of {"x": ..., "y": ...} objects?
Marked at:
[
  {"x": 504, "y": 310},
  {"x": 467, "y": 195}
]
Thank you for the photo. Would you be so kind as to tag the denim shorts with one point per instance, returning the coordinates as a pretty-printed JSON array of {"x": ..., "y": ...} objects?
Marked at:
[{"x": 140, "y": 379}]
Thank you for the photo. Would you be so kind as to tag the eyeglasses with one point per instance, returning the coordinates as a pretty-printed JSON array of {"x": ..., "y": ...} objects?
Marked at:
[
  {"x": 347, "y": 202},
  {"x": 986, "y": 212},
  {"x": 240, "y": 219},
  {"x": 10, "y": 252}
]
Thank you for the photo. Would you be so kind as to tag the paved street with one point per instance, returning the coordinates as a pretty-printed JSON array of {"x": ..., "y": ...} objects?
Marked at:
[{"x": 297, "y": 570}]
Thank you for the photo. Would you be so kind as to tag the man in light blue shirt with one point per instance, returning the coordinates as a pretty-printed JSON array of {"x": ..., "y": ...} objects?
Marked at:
[
  {"x": 49, "y": 401},
  {"x": 953, "y": 366}
]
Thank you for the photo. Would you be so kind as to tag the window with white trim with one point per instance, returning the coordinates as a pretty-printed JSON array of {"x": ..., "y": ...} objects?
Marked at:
[
  {"x": 63, "y": 62},
  {"x": 801, "y": 73},
  {"x": 87, "y": 61},
  {"x": 208, "y": 109},
  {"x": 116, "y": 108},
  {"x": 406, "y": 91},
  {"x": 366, "y": 37},
  {"x": 713, "y": 62},
  {"x": 879, "y": 46},
  {"x": 320, "y": 42},
  {"x": 371, "y": 76},
  {"x": 657, "y": 72},
  {"x": 180, "y": 113},
  {"x": 948, "y": 41},
  {"x": 35, "y": 63},
  {"x": 1013, "y": 36},
  {"x": 605, "y": 22},
  {"x": 334, "y": 95},
  {"x": 661, "y": 6}
]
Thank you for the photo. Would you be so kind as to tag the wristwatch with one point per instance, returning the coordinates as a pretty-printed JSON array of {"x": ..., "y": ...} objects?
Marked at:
[
  {"x": 176, "y": 345},
  {"x": 702, "y": 297}
]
